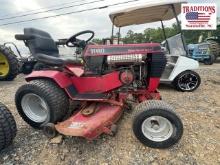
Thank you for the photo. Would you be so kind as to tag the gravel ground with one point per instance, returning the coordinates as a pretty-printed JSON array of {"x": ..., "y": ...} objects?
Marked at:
[{"x": 200, "y": 144}]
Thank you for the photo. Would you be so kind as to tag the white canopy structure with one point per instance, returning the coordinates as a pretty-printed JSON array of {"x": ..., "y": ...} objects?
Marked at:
[{"x": 151, "y": 12}]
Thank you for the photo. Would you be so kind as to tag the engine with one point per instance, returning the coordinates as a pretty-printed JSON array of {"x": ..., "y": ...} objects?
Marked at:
[
  {"x": 136, "y": 63},
  {"x": 132, "y": 67}
]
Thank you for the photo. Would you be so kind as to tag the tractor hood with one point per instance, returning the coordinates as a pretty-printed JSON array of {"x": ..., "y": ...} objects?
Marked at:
[
  {"x": 105, "y": 50},
  {"x": 150, "y": 12}
]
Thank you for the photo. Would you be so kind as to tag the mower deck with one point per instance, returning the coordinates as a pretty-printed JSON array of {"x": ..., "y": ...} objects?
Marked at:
[{"x": 91, "y": 121}]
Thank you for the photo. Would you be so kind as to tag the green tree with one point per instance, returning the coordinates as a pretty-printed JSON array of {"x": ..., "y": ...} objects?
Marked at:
[
  {"x": 156, "y": 35},
  {"x": 97, "y": 41}
]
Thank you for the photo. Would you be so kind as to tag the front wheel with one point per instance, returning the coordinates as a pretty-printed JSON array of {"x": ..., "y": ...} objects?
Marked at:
[
  {"x": 210, "y": 60},
  {"x": 156, "y": 125},
  {"x": 187, "y": 81}
]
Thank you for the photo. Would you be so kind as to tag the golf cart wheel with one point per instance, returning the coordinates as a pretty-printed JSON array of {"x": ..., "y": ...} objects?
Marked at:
[
  {"x": 187, "y": 81},
  {"x": 40, "y": 102},
  {"x": 210, "y": 60},
  {"x": 8, "y": 127},
  {"x": 156, "y": 125},
  {"x": 8, "y": 64}
]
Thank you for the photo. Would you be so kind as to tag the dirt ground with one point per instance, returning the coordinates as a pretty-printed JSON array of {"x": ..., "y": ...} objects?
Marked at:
[{"x": 200, "y": 144}]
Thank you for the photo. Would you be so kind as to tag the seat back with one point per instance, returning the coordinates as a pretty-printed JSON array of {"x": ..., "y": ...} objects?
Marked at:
[{"x": 41, "y": 43}]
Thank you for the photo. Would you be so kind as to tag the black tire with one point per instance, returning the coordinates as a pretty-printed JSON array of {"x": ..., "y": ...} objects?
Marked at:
[
  {"x": 8, "y": 127},
  {"x": 12, "y": 62},
  {"x": 55, "y": 97},
  {"x": 210, "y": 61},
  {"x": 146, "y": 110},
  {"x": 177, "y": 81},
  {"x": 215, "y": 48}
]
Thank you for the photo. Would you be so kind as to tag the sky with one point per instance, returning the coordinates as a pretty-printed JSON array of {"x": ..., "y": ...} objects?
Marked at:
[{"x": 65, "y": 26}]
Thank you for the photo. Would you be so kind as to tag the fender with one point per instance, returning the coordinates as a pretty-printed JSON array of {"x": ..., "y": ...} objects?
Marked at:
[
  {"x": 183, "y": 64},
  {"x": 60, "y": 78}
]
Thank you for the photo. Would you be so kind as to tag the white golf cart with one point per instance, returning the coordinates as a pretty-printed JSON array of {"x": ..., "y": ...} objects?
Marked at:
[{"x": 179, "y": 68}]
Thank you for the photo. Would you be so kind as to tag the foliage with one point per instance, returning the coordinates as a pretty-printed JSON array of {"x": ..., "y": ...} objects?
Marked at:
[
  {"x": 156, "y": 35},
  {"x": 97, "y": 41}
]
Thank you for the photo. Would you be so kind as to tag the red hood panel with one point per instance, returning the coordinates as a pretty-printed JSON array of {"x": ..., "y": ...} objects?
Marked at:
[{"x": 104, "y": 50}]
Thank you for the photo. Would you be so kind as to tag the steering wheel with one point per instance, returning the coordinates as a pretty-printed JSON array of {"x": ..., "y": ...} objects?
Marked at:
[{"x": 74, "y": 42}]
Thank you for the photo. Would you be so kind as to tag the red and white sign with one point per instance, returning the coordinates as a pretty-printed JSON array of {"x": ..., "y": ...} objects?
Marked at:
[{"x": 199, "y": 16}]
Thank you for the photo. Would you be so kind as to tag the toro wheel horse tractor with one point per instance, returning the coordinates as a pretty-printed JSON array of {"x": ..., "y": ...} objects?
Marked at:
[{"x": 100, "y": 84}]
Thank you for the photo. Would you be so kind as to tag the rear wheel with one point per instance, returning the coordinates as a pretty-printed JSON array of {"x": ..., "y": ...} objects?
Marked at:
[
  {"x": 8, "y": 127},
  {"x": 187, "y": 81},
  {"x": 8, "y": 64},
  {"x": 41, "y": 102},
  {"x": 156, "y": 125},
  {"x": 215, "y": 48}
]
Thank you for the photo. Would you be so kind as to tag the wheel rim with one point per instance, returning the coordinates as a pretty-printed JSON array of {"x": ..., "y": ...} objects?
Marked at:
[
  {"x": 4, "y": 66},
  {"x": 157, "y": 128},
  {"x": 188, "y": 81},
  {"x": 35, "y": 108}
]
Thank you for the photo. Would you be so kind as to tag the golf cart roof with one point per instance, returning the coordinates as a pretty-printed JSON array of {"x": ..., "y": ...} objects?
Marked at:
[{"x": 150, "y": 12}]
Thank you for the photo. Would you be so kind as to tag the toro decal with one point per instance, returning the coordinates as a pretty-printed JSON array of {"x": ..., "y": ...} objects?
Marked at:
[
  {"x": 196, "y": 16},
  {"x": 97, "y": 51},
  {"x": 105, "y": 50}
]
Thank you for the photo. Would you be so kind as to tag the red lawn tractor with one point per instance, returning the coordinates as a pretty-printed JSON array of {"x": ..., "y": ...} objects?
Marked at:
[{"x": 99, "y": 84}]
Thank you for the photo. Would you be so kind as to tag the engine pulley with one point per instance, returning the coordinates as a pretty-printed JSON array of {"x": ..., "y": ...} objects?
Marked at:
[{"x": 127, "y": 77}]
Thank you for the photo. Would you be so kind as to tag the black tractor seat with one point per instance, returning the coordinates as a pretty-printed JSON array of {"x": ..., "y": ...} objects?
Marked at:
[
  {"x": 57, "y": 60},
  {"x": 44, "y": 49}
]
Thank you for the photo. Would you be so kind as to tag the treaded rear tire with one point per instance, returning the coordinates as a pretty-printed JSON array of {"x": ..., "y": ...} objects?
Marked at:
[
  {"x": 150, "y": 108},
  {"x": 215, "y": 48},
  {"x": 8, "y": 127},
  {"x": 51, "y": 93},
  {"x": 13, "y": 64}
]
